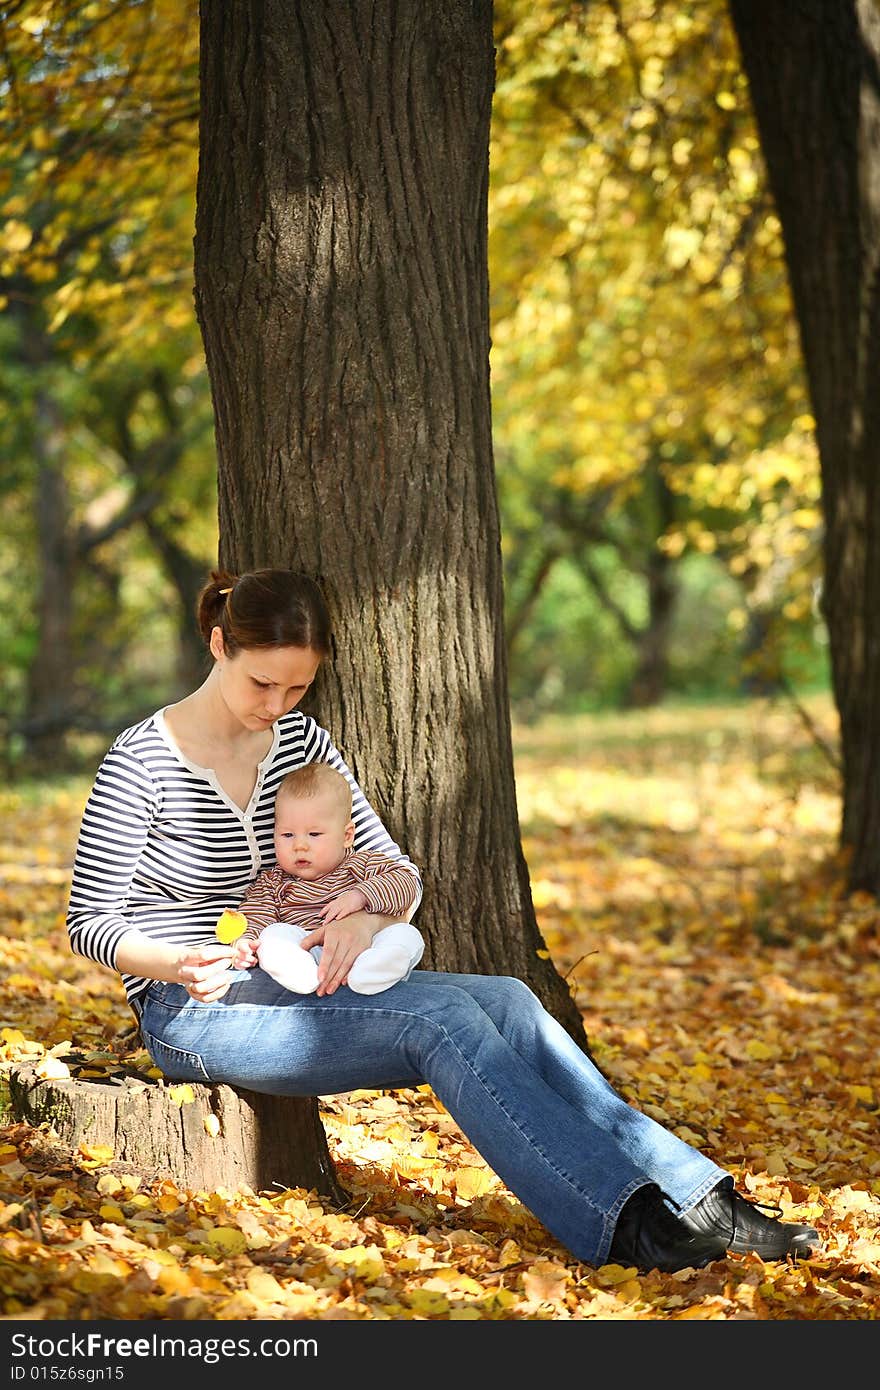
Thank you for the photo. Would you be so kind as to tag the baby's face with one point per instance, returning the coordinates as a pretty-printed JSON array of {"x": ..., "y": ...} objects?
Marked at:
[{"x": 311, "y": 834}]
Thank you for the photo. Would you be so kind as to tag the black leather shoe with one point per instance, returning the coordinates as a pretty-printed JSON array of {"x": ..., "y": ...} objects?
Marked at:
[
  {"x": 649, "y": 1236},
  {"x": 746, "y": 1229}
]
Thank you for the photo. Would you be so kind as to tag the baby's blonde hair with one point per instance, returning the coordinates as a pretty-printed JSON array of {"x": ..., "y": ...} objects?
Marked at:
[{"x": 312, "y": 780}]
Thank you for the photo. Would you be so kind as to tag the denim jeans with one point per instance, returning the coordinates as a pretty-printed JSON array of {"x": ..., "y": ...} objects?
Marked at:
[{"x": 540, "y": 1113}]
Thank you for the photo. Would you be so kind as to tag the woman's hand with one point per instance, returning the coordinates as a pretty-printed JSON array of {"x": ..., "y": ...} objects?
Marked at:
[
  {"x": 204, "y": 971},
  {"x": 343, "y": 942}
]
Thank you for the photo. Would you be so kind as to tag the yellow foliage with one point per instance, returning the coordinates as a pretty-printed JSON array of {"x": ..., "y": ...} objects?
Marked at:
[
  {"x": 230, "y": 926},
  {"x": 473, "y": 1182},
  {"x": 226, "y": 1240}
]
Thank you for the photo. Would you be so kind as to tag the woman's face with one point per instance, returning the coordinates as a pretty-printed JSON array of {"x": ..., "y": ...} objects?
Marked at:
[{"x": 259, "y": 684}]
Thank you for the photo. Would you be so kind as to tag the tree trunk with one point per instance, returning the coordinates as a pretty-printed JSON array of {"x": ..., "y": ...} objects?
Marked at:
[
  {"x": 50, "y": 674},
  {"x": 341, "y": 287},
  {"x": 260, "y": 1141},
  {"x": 187, "y": 574},
  {"x": 812, "y": 70},
  {"x": 650, "y": 677}
]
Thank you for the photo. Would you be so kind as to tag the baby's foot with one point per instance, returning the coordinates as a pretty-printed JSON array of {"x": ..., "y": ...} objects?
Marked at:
[
  {"x": 287, "y": 962},
  {"x": 377, "y": 969}
]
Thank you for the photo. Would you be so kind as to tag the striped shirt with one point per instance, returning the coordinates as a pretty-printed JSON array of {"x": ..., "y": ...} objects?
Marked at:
[
  {"x": 277, "y": 896},
  {"x": 163, "y": 849}
]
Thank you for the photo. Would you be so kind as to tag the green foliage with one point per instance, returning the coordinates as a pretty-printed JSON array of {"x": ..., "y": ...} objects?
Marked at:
[
  {"x": 647, "y": 380},
  {"x": 648, "y": 391},
  {"x": 109, "y": 429}
]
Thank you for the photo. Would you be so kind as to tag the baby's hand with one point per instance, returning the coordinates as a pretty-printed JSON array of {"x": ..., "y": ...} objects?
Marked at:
[
  {"x": 244, "y": 953},
  {"x": 353, "y": 900}
]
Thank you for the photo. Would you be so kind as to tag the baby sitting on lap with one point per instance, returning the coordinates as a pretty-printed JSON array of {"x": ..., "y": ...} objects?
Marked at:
[{"x": 318, "y": 878}]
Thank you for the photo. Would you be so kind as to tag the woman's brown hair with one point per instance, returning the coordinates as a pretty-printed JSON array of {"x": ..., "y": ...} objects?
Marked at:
[{"x": 265, "y": 608}]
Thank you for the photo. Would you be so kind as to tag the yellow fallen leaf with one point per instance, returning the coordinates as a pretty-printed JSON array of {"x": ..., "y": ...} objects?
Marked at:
[
  {"x": 182, "y": 1094},
  {"x": 163, "y": 1257},
  {"x": 429, "y": 1301},
  {"x": 62, "y": 1198},
  {"x": 501, "y": 1298},
  {"x": 703, "y": 1311},
  {"x": 12, "y": 1036},
  {"x": 97, "y": 1153},
  {"x": 365, "y": 1261},
  {"x": 864, "y": 1094},
  {"x": 129, "y": 1181},
  {"x": 690, "y": 1136},
  {"x": 759, "y": 1052},
  {"x": 545, "y": 1281},
  {"x": 450, "y": 1278},
  {"x": 265, "y": 1286},
  {"x": 171, "y": 1279},
  {"x": 230, "y": 926},
  {"x": 616, "y": 1274},
  {"x": 472, "y": 1182},
  {"x": 255, "y": 1233},
  {"x": 228, "y": 1239},
  {"x": 102, "y": 1263},
  {"x": 111, "y": 1212},
  {"x": 52, "y": 1069}
]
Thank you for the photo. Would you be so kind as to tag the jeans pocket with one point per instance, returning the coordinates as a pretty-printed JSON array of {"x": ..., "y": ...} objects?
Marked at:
[{"x": 174, "y": 1062}]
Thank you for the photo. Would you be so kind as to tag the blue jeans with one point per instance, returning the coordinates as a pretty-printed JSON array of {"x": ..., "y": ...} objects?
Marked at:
[{"x": 540, "y": 1113}]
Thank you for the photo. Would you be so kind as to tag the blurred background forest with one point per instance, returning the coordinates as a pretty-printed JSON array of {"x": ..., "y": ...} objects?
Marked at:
[{"x": 657, "y": 471}]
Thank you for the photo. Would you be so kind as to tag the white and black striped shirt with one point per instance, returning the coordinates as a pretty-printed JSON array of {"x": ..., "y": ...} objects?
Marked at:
[{"x": 162, "y": 848}]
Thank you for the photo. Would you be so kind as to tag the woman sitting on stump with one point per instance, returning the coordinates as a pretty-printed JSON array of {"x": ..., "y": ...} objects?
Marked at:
[{"x": 179, "y": 822}]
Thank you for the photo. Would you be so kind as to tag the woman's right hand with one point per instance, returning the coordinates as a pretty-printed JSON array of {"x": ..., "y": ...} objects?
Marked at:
[{"x": 204, "y": 971}]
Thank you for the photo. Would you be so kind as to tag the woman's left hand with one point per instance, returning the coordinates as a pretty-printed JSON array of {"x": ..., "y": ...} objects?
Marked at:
[{"x": 343, "y": 942}]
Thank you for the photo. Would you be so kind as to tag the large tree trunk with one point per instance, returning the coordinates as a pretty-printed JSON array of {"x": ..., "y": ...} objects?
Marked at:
[
  {"x": 813, "y": 73},
  {"x": 341, "y": 287}
]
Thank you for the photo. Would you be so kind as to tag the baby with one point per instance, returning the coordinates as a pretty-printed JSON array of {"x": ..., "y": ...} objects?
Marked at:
[{"x": 319, "y": 878}]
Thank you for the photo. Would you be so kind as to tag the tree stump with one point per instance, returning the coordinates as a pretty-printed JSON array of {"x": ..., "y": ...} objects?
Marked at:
[{"x": 261, "y": 1141}]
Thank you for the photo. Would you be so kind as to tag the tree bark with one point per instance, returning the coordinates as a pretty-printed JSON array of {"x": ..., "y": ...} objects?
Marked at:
[
  {"x": 813, "y": 72},
  {"x": 261, "y": 1141},
  {"x": 341, "y": 288}
]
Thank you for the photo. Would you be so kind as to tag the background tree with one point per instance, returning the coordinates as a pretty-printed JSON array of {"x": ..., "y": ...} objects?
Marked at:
[
  {"x": 341, "y": 287},
  {"x": 656, "y": 476},
  {"x": 813, "y": 76},
  {"x": 98, "y": 339},
  {"x": 643, "y": 338}
]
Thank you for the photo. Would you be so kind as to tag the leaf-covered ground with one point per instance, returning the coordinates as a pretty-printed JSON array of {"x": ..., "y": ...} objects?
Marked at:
[{"x": 684, "y": 874}]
